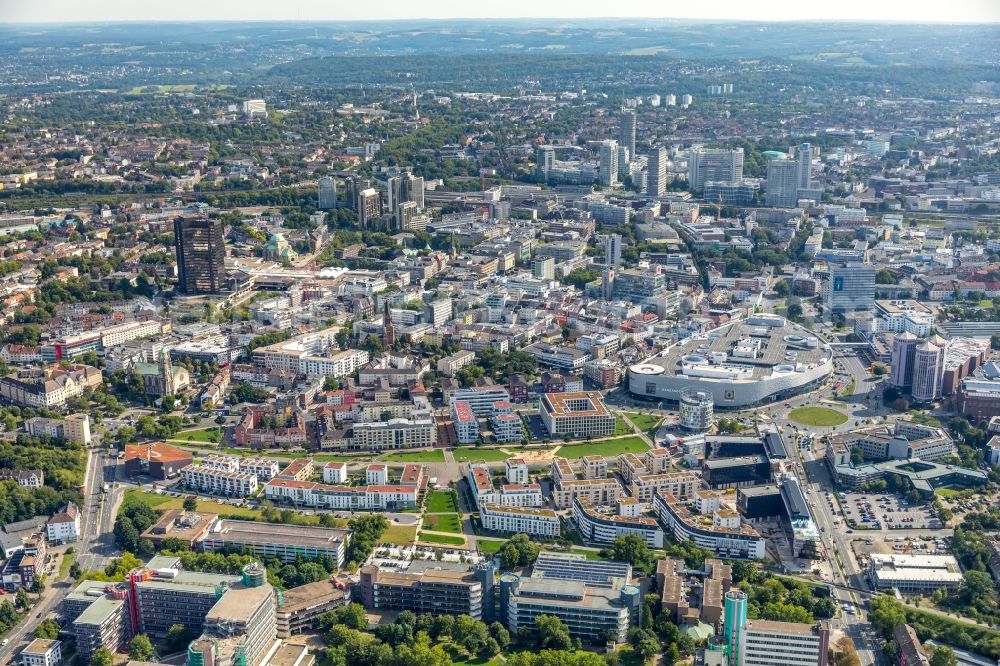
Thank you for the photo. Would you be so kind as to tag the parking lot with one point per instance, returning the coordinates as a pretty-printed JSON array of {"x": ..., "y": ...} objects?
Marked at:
[{"x": 886, "y": 511}]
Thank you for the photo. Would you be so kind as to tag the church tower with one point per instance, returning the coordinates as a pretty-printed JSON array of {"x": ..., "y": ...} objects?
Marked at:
[
  {"x": 389, "y": 336},
  {"x": 166, "y": 373}
]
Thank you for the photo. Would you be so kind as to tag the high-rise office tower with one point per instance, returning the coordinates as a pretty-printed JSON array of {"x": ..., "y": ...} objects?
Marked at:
[
  {"x": 412, "y": 189},
  {"x": 782, "y": 183},
  {"x": 613, "y": 250},
  {"x": 624, "y": 161},
  {"x": 326, "y": 194},
  {"x": 369, "y": 206},
  {"x": 852, "y": 287},
  {"x": 709, "y": 164},
  {"x": 656, "y": 174},
  {"x": 609, "y": 163},
  {"x": 928, "y": 370},
  {"x": 904, "y": 348},
  {"x": 201, "y": 255},
  {"x": 626, "y": 130},
  {"x": 545, "y": 159},
  {"x": 804, "y": 155}
]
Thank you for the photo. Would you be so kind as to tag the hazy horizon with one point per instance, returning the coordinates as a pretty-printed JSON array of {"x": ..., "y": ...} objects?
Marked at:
[{"x": 184, "y": 11}]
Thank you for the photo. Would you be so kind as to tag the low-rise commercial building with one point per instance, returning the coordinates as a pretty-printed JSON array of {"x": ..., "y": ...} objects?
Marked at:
[
  {"x": 431, "y": 587},
  {"x": 302, "y": 606},
  {"x": 42, "y": 652},
  {"x": 914, "y": 574},
  {"x": 593, "y": 599}
]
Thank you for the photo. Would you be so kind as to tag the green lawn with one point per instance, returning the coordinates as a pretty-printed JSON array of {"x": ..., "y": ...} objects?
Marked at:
[
  {"x": 476, "y": 454},
  {"x": 440, "y": 538},
  {"x": 622, "y": 426},
  {"x": 200, "y": 435},
  {"x": 399, "y": 535},
  {"x": 609, "y": 447},
  {"x": 644, "y": 422},
  {"x": 65, "y": 564},
  {"x": 490, "y": 547},
  {"x": 443, "y": 522},
  {"x": 431, "y": 456},
  {"x": 164, "y": 502},
  {"x": 441, "y": 502},
  {"x": 589, "y": 554},
  {"x": 948, "y": 492},
  {"x": 817, "y": 416}
]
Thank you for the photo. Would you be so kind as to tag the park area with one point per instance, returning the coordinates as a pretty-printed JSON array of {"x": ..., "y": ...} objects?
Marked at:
[
  {"x": 607, "y": 448},
  {"x": 822, "y": 417}
]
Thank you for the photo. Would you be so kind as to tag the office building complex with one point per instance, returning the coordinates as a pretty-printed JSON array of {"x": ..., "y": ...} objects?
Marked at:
[
  {"x": 301, "y": 607},
  {"x": 904, "y": 348},
  {"x": 285, "y": 542},
  {"x": 593, "y": 599},
  {"x": 580, "y": 414},
  {"x": 714, "y": 164},
  {"x": 851, "y": 287},
  {"x": 42, "y": 652},
  {"x": 431, "y": 587},
  {"x": 603, "y": 526},
  {"x": 696, "y": 410},
  {"x": 240, "y": 629},
  {"x": 218, "y": 481},
  {"x": 914, "y": 574},
  {"x": 201, "y": 255},
  {"x": 928, "y": 370}
]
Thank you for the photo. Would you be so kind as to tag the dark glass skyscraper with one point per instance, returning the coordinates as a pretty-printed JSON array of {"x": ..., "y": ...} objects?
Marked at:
[{"x": 201, "y": 254}]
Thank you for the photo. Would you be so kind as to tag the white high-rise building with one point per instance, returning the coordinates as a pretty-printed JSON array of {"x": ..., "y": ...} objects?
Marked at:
[
  {"x": 626, "y": 130},
  {"x": 804, "y": 155},
  {"x": 545, "y": 159},
  {"x": 326, "y": 194},
  {"x": 656, "y": 178},
  {"x": 609, "y": 163},
  {"x": 782, "y": 183},
  {"x": 928, "y": 370},
  {"x": 712, "y": 164},
  {"x": 255, "y": 108}
]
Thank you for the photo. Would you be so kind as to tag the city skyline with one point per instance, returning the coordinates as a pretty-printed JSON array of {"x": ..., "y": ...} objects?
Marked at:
[{"x": 56, "y": 11}]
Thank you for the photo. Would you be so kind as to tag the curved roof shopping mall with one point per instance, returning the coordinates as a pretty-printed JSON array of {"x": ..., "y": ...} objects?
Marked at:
[{"x": 760, "y": 359}]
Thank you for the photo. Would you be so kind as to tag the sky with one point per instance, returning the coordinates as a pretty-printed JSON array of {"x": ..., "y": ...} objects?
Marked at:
[{"x": 57, "y": 11}]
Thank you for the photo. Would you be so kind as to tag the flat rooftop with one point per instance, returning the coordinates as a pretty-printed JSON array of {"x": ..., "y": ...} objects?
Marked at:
[
  {"x": 311, "y": 594},
  {"x": 577, "y": 403},
  {"x": 294, "y": 535},
  {"x": 238, "y": 604},
  {"x": 786, "y": 628}
]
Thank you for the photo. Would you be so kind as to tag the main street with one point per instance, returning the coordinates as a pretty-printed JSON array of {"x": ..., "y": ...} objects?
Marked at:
[{"x": 94, "y": 547}]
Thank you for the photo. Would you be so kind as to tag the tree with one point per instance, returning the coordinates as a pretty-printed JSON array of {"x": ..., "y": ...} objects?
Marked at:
[
  {"x": 995, "y": 341},
  {"x": 140, "y": 649},
  {"x": 552, "y": 633},
  {"x": 857, "y": 455},
  {"x": 102, "y": 657},
  {"x": 21, "y": 599},
  {"x": 632, "y": 549},
  {"x": 793, "y": 307},
  {"x": 943, "y": 656},
  {"x": 975, "y": 587},
  {"x": 643, "y": 643},
  {"x": 353, "y": 616},
  {"x": 519, "y": 551},
  {"x": 190, "y": 504},
  {"x": 781, "y": 288},
  {"x": 846, "y": 654},
  {"x": 177, "y": 637},
  {"x": 48, "y": 630},
  {"x": 885, "y": 614}
]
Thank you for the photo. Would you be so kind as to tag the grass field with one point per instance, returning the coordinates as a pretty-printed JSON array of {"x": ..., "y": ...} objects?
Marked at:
[
  {"x": 65, "y": 564},
  {"x": 441, "y": 502},
  {"x": 817, "y": 416},
  {"x": 399, "y": 535},
  {"x": 476, "y": 454},
  {"x": 441, "y": 538},
  {"x": 431, "y": 456},
  {"x": 622, "y": 426},
  {"x": 948, "y": 492},
  {"x": 644, "y": 422},
  {"x": 443, "y": 522},
  {"x": 200, "y": 435},
  {"x": 490, "y": 547},
  {"x": 609, "y": 447},
  {"x": 167, "y": 502}
]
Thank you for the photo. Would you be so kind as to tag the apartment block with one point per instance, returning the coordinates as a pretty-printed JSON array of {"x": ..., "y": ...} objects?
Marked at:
[{"x": 514, "y": 520}]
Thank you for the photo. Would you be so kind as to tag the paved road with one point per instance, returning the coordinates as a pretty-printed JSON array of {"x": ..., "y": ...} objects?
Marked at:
[{"x": 94, "y": 548}]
